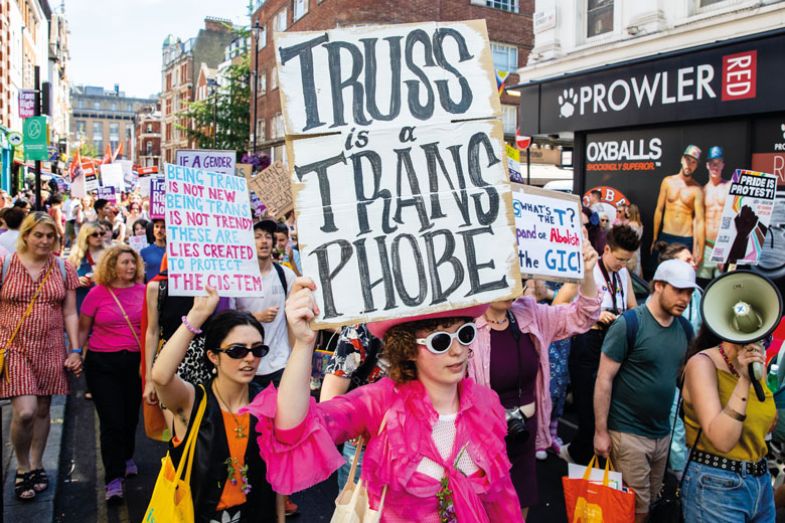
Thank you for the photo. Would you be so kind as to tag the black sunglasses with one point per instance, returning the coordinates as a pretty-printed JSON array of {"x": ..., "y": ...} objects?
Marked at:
[
  {"x": 96, "y": 234},
  {"x": 238, "y": 351}
]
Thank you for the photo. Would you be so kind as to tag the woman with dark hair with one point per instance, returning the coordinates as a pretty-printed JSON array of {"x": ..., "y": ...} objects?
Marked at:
[
  {"x": 434, "y": 438},
  {"x": 139, "y": 228},
  {"x": 228, "y": 476},
  {"x": 727, "y": 479},
  {"x": 616, "y": 295},
  {"x": 511, "y": 357}
]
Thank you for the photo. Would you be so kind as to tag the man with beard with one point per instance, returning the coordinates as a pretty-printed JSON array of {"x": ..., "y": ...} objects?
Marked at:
[
  {"x": 714, "y": 194},
  {"x": 636, "y": 381},
  {"x": 681, "y": 202}
]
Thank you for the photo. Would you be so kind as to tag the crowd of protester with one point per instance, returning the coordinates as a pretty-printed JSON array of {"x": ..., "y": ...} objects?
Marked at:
[{"x": 477, "y": 392}]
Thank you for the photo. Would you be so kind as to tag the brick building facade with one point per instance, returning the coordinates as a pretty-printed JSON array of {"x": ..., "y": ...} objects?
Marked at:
[
  {"x": 147, "y": 122},
  {"x": 182, "y": 62},
  {"x": 509, "y": 25}
]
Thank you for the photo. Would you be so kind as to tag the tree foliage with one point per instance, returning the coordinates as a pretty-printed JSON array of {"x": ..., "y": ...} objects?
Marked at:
[
  {"x": 88, "y": 150},
  {"x": 224, "y": 112}
]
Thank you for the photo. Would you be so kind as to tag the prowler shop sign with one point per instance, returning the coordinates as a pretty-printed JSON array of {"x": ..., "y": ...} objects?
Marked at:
[
  {"x": 737, "y": 78},
  {"x": 398, "y": 176}
]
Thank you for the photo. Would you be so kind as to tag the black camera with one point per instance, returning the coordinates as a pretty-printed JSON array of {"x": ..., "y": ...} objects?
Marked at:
[{"x": 516, "y": 424}]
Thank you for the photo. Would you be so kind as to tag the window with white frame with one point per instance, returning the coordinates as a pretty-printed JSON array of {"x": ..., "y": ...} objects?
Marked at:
[
  {"x": 149, "y": 147},
  {"x": 261, "y": 133},
  {"x": 262, "y": 87},
  {"x": 505, "y": 57},
  {"x": 511, "y": 6},
  {"x": 273, "y": 78},
  {"x": 300, "y": 9},
  {"x": 277, "y": 130},
  {"x": 509, "y": 118},
  {"x": 280, "y": 20},
  {"x": 707, "y": 3},
  {"x": 263, "y": 37},
  {"x": 599, "y": 17}
]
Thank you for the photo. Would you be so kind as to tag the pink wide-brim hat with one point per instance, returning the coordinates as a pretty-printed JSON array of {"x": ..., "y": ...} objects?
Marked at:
[{"x": 380, "y": 328}]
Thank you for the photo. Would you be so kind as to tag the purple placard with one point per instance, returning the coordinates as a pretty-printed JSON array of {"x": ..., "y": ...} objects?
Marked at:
[
  {"x": 157, "y": 204},
  {"x": 108, "y": 193}
]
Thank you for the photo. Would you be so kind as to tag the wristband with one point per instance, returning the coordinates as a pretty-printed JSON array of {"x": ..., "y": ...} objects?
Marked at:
[
  {"x": 193, "y": 330},
  {"x": 738, "y": 416},
  {"x": 77, "y": 350}
]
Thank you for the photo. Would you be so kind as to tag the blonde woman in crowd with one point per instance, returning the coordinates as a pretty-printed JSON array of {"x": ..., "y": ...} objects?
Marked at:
[
  {"x": 37, "y": 305},
  {"x": 85, "y": 256}
]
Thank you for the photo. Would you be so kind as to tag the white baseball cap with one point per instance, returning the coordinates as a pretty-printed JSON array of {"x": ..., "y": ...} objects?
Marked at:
[{"x": 677, "y": 273}]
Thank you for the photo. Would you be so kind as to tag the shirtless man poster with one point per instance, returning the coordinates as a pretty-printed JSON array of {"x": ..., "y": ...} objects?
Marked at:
[
  {"x": 679, "y": 216},
  {"x": 714, "y": 194}
]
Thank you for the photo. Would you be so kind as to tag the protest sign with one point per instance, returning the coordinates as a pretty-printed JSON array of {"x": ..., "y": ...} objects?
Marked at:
[
  {"x": 548, "y": 229},
  {"x": 129, "y": 176},
  {"x": 108, "y": 193},
  {"x": 157, "y": 194},
  {"x": 216, "y": 161},
  {"x": 143, "y": 179},
  {"x": 91, "y": 182},
  {"x": 273, "y": 188},
  {"x": 403, "y": 206},
  {"x": 112, "y": 176},
  {"x": 746, "y": 218},
  {"x": 138, "y": 243},
  {"x": 209, "y": 233}
]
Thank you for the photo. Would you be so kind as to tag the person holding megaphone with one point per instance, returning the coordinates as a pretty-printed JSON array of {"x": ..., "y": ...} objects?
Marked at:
[{"x": 727, "y": 409}]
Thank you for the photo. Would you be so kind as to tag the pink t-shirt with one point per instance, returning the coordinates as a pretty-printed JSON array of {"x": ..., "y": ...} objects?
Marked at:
[{"x": 110, "y": 330}]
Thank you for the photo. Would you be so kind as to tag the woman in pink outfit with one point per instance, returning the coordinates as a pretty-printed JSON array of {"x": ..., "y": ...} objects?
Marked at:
[{"x": 432, "y": 433}]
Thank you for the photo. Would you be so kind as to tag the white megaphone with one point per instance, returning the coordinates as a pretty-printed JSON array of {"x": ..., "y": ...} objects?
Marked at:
[{"x": 742, "y": 308}]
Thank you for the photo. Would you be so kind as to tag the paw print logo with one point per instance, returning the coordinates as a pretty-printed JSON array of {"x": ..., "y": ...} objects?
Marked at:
[
  {"x": 567, "y": 101},
  {"x": 782, "y": 128}
]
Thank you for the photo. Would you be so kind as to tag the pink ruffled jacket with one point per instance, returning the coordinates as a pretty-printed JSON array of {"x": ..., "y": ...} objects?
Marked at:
[
  {"x": 545, "y": 323},
  {"x": 305, "y": 455}
]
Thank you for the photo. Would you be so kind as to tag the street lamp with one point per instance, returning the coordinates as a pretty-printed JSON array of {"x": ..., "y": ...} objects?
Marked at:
[
  {"x": 256, "y": 29},
  {"x": 212, "y": 84}
]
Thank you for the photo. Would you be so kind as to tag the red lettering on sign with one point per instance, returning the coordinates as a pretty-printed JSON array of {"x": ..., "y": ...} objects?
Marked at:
[{"x": 739, "y": 76}]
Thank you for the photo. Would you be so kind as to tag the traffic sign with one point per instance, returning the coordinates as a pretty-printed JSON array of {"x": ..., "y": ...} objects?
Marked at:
[
  {"x": 36, "y": 138},
  {"x": 15, "y": 139}
]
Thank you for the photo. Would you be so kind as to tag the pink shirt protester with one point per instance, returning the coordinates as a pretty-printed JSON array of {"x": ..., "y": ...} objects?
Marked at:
[
  {"x": 545, "y": 323},
  {"x": 306, "y": 455},
  {"x": 110, "y": 330}
]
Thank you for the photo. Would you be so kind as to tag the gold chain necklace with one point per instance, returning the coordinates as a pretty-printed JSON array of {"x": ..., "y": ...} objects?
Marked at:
[{"x": 238, "y": 428}]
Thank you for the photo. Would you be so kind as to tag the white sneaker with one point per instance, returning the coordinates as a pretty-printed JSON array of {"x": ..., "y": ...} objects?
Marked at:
[
  {"x": 541, "y": 455},
  {"x": 564, "y": 453}
]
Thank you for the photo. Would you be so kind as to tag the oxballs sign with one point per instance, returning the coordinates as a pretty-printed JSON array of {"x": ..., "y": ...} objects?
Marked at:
[{"x": 398, "y": 174}]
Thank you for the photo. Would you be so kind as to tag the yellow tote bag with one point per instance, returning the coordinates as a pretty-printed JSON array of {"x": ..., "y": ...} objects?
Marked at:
[{"x": 171, "y": 500}]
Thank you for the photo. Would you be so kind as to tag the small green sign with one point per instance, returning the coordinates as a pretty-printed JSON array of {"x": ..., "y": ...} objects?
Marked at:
[{"x": 36, "y": 138}]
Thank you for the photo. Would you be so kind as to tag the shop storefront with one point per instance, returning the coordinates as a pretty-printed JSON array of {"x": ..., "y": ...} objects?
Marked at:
[{"x": 631, "y": 122}]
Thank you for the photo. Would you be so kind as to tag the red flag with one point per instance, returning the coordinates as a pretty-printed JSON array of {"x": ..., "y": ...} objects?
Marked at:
[
  {"x": 118, "y": 152},
  {"x": 107, "y": 154}
]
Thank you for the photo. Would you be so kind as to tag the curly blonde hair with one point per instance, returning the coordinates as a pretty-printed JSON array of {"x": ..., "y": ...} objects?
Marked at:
[
  {"x": 106, "y": 271},
  {"x": 400, "y": 346}
]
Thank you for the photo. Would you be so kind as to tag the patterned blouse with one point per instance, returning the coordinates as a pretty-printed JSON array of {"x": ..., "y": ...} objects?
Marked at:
[{"x": 357, "y": 357}]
